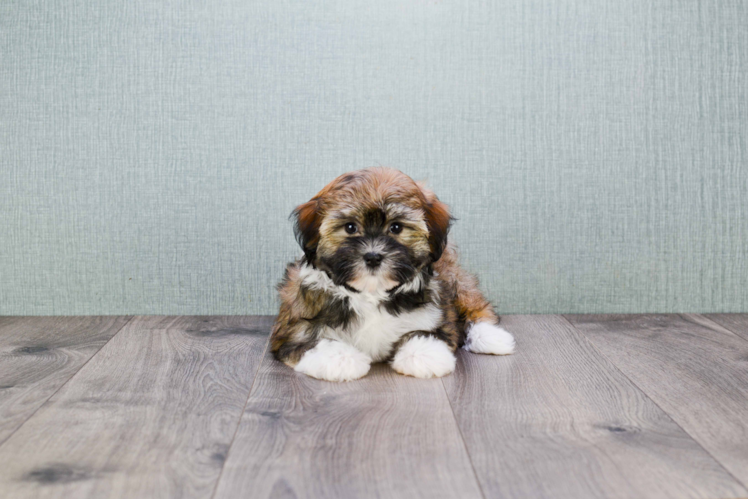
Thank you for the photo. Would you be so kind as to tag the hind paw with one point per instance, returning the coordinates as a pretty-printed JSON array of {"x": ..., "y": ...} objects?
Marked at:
[{"x": 485, "y": 338}]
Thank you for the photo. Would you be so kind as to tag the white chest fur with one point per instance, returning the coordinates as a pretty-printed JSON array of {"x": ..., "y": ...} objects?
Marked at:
[{"x": 375, "y": 329}]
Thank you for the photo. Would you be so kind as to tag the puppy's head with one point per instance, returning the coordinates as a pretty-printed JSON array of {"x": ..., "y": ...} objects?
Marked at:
[{"x": 372, "y": 229}]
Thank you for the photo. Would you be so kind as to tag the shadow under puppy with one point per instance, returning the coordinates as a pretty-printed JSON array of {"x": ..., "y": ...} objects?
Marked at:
[{"x": 379, "y": 283}]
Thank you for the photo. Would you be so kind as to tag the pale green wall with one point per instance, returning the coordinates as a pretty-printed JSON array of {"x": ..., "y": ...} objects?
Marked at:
[{"x": 595, "y": 152}]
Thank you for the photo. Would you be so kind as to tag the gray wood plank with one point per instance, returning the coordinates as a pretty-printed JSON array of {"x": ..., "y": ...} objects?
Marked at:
[
  {"x": 736, "y": 323},
  {"x": 692, "y": 368},
  {"x": 385, "y": 435},
  {"x": 39, "y": 354},
  {"x": 556, "y": 419},
  {"x": 151, "y": 415}
]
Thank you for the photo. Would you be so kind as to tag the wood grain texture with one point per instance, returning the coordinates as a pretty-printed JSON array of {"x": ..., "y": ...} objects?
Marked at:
[
  {"x": 556, "y": 419},
  {"x": 693, "y": 368},
  {"x": 736, "y": 323},
  {"x": 38, "y": 355},
  {"x": 385, "y": 435},
  {"x": 151, "y": 415}
]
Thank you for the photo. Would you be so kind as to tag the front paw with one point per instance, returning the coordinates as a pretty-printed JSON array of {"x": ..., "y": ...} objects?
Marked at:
[
  {"x": 424, "y": 357},
  {"x": 335, "y": 361}
]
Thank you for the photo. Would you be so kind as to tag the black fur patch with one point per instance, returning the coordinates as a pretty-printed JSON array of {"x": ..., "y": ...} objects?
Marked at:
[
  {"x": 335, "y": 313},
  {"x": 342, "y": 265},
  {"x": 404, "y": 302},
  {"x": 403, "y": 265},
  {"x": 294, "y": 350},
  {"x": 374, "y": 222},
  {"x": 438, "y": 334},
  {"x": 400, "y": 302}
]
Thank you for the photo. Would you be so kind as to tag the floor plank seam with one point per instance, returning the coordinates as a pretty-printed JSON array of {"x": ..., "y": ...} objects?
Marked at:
[
  {"x": 241, "y": 416},
  {"x": 67, "y": 381},
  {"x": 721, "y": 325},
  {"x": 592, "y": 344},
  {"x": 462, "y": 438}
]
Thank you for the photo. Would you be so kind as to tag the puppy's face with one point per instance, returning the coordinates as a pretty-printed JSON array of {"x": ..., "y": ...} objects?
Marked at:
[{"x": 373, "y": 229}]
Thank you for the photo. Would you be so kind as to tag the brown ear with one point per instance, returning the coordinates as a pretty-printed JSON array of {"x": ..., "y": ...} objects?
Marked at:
[
  {"x": 438, "y": 221},
  {"x": 306, "y": 227}
]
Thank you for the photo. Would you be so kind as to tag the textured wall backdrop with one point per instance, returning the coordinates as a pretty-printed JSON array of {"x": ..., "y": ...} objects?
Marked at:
[{"x": 595, "y": 152}]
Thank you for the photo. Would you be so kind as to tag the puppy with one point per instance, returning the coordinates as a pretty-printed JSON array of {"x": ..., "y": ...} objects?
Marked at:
[{"x": 379, "y": 283}]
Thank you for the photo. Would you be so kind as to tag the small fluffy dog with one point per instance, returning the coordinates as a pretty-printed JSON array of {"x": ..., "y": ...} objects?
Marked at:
[{"x": 379, "y": 283}]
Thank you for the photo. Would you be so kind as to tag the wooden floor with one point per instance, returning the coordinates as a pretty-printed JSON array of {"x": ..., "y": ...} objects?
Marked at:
[{"x": 589, "y": 406}]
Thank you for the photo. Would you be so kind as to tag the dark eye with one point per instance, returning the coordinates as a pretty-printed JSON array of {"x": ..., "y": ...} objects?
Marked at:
[
  {"x": 350, "y": 228},
  {"x": 396, "y": 228}
]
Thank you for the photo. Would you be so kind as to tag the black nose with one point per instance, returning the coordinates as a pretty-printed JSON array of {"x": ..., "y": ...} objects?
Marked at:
[{"x": 373, "y": 259}]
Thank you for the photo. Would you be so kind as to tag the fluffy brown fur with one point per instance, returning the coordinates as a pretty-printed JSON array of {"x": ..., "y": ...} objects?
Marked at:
[{"x": 326, "y": 294}]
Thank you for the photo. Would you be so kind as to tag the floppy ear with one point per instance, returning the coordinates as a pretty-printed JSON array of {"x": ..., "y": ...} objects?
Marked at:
[
  {"x": 438, "y": 221},
  {"x": 306, "y": 227}
]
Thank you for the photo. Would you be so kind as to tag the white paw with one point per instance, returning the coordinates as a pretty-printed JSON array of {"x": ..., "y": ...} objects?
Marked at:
[
  {"x": 335, "y": 361},
  {"x": 424, "y": 357},
  {"x": 485, "y": 338}
]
